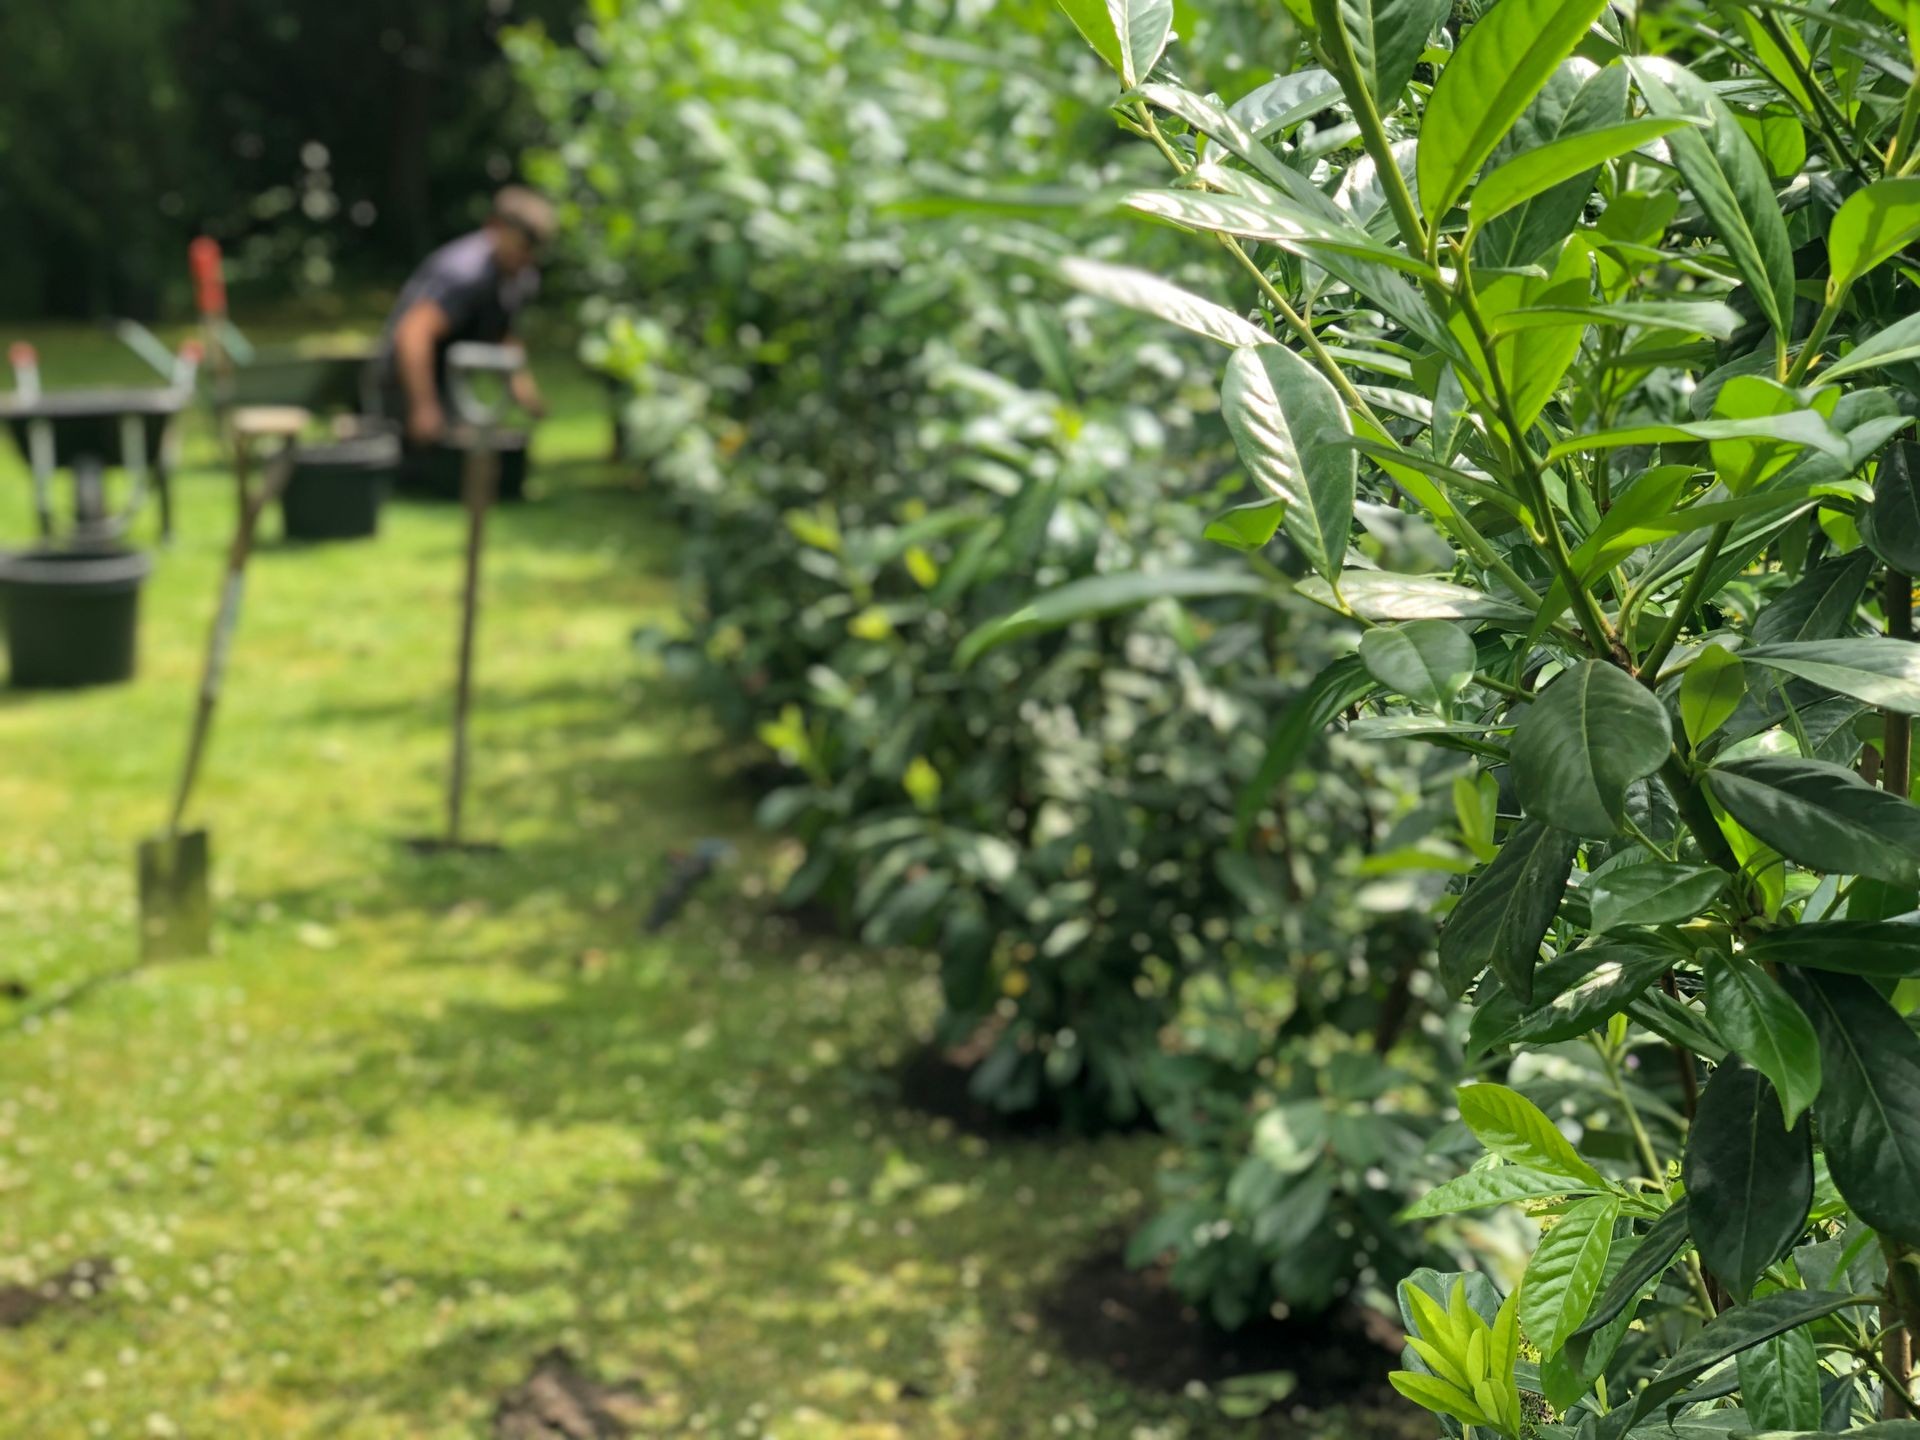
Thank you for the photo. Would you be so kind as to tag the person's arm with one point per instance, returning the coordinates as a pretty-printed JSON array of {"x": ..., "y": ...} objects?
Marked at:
[
  {"x": 415, "y": 339},
  {"x": 521, "y": 385}
]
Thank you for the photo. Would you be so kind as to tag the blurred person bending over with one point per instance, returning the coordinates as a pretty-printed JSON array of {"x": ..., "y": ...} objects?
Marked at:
[{"x": 470, "y": 289}]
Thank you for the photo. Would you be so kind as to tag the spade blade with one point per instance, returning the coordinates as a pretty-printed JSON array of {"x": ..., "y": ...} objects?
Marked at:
[{"x": 176, "y": 904}]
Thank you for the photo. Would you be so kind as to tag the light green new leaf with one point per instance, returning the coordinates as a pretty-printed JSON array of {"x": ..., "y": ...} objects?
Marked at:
[
  {"x": 1744, "y": 461},
  {"x": 1514, "y": 1128},
  {"x": 1882, "y": 672},
  {"x": 1749, "y": 1178},
  {"x": 1710, "y": 691},
  {"x": 1507, "y": 911},
  {"x": 1874, "y": 224},
  {"x": 1291, "y": 430},
  {"x": 1427, "y": 661},
  {"x": 1500, "y": 65},
  {"x": 1534, "y": 357},
  {"x": 1729, "y": 180},
  {"x": 1535, "y": 172},
  {"x": 1483, "y": 1189},
  {"x": 1247, "y": 528},
  {"x": 1592, "y": 733},
  {"x": 1822, "y": 816},
  {"x": 1128, "y": 34},
  {"x": 1869, "y": 1124},
  {"x": 1146, "y": 292},
  {"x": 1564, "y": 1275},
  {"x": 1099, "y": 595},
  {"x": 1656, "y": 894},
  {"x": 1770, "y": 1032},
  {"x": 1386, "y": 37}
]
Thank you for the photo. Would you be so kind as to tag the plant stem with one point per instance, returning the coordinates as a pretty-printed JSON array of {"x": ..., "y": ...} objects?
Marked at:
[
  {"x": 1689, "y": 598},
  {"x": 1810, "y": 349},
  {"x": 1373, "y": 136}
]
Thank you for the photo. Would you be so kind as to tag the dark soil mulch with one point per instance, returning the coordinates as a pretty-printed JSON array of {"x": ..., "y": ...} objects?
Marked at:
[
  {"x": 560, "y": 1401},
  {"x": 23, "y": 1304},
  {"x": 1103, "y": 1312}
]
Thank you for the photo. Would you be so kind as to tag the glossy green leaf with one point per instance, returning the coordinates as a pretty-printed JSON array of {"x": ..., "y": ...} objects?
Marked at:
[
  {"x": 1695, "y": 317},
  {"x": 1657, "y": 894},
  {"x": 1563, "y": 1277},
  {"x": 1873, "y": 225},
  {"x": 1897, "y": 343},
  {"x": 1482, "y": 1189},
  {"x": 1724, "y": 1337},
  {"x": 1892, "y": 526},
  {"x": 1749, "y": 1178},
  {"x": 1533, "y": 358},
  {"x": 1771, "y": 1033},
  {"x": 1821, "y": 605},
  {"x": 1806, "y": 428},
  {"x": 1217, "y": 124},
  {"x": 1883, "y": 673},
  {"x": 1506, "y": 911},
  {"x": 1822, "y": 816},
  {"x": 1592, "y": 733},
  {"x": 1384, "y": 597},
  {"x": 1869, "y": 1123},
  {"x": 1148, "y": 293},
  {"x": 1247, "y": 528},
  {"x": 1534, "y": 172},
  {"x": 1745, "y": 461},
  {"x": 1386, "y": 36},
  {"x": 1100, "y": 595},
  {"x": 1710, "y": 691},
  {"x": 1285, "y": 101},
  {"x": 1577, "y": 991},
  {"x": 1501, "y": 63},
  {"x": 1780, "y": 1383},
  {"x": 1728, "y": 179},
  {"x": 1877, "y": 949},
  {"x": 1291, "y": 431},
  {"x": 1426, "y": 661},
  {"x": 1513, "y": 1127},
  {"x": 1275, "y": 221},
  {"x": 1578, "y": 97},
  {"x": 1651, "y": 1257},
  {"x": 1128, "y": 34}
]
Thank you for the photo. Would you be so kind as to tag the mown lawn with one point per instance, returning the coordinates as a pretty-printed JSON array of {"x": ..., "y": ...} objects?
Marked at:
[{"x": 421, "y": 1121}]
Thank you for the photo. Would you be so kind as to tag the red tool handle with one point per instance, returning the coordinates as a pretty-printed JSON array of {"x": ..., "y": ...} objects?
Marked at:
[{"x": 209, "y": 278}]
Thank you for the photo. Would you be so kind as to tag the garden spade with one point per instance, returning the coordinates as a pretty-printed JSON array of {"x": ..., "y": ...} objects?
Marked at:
[
  {"x": 478, "y": 435},
  {"x": 176, "y": 905}
]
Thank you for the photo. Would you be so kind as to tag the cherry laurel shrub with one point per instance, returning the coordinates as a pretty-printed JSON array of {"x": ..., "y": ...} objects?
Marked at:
[
  {"x": 1620, "y": 298},
  {"x": 877, "y": 428}
]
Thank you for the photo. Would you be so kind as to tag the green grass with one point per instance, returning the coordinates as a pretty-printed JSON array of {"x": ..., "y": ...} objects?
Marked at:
[{"x": 420, "y": 1120}]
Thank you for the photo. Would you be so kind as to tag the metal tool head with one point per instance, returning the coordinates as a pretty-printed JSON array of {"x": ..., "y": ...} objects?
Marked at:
[{"x": 176, "y": 898}]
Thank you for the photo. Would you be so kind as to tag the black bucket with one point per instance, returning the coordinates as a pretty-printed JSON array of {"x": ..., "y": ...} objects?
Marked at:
[
  {"x": 72, "y": 615},
  {"x": 434, "y": 472},
  {"x": 335, "y": 491}
]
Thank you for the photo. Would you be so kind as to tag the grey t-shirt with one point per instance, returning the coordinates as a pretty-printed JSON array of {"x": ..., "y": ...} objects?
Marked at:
[{"x": 481, "y": 303}]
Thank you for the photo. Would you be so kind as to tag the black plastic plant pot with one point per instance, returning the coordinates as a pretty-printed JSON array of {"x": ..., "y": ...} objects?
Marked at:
[
  {"x": 433, "y": 472},
  {"x": 335, "y": 491},
  {"x": 72, "y": 615}
]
